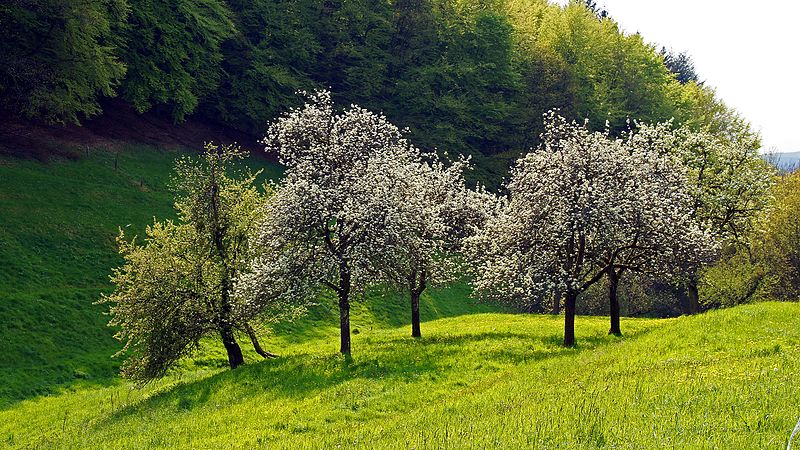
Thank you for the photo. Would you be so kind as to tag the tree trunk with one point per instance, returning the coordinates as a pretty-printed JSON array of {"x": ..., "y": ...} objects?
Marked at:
[
  {"x": 556, "y": 302},
  {"x": 257, "y": 345},
  {"x": 235, "y": 358},
  {"x": 415, "y": 330},
  {"x": 344, "y": 310},
  {"x": 416, "y": 287},
  {"x": 693, "y": 306},
  {"x": 613, "y": 284},
  {"x": 569, "y": 318}
]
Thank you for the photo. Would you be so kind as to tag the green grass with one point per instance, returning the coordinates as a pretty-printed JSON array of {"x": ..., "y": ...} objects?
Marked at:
[
  {"x": 726, "y": 379},
  {"x": 479, "y": 378},
  {"x": 58, "y": 222}
]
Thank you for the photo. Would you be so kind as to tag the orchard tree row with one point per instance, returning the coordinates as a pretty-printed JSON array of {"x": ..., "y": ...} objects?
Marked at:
[
  {"x": 472, "y": 77},
  {"x": 360, "y": 206}
]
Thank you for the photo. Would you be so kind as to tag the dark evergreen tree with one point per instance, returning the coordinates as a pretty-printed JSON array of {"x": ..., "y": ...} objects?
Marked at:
[{"x": 681, "y": 65}]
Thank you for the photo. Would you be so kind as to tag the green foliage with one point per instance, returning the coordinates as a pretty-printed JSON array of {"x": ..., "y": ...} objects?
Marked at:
[
  {"x": 701, "y": 110},
  {"x": 177, "y": 287},
  {"x": 172, "y": 50},
  {"x": 616, "y": 76},
  {"x": 355, "y": 36},
  {"x": 471, "y": 77},
  {"x": 721, "y": 380},
  {"x": 736, "y": 279},
  {"x": 639, "y": 296},
  {"x": 57, "y": 246},
  {"x": 271, "y": 56},
  {"x": 779, "y": 246},
  {"x": 60, "y": 56}
]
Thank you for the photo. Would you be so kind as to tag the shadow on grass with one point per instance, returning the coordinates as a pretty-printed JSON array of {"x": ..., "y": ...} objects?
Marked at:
[
  {"x": 382, "y": 308},
  {"x": 395, "y": 359}
]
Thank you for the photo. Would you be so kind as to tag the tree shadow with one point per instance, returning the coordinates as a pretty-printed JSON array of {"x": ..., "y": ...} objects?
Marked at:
[
  {"x": 395, "y": 359},
  {"x": 383, "y": 307}
]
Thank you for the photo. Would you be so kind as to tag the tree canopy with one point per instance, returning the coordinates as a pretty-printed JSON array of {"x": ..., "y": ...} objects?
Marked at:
[
  {"x": 178, "y": 285},
  {"x": 467, "y": 77}
]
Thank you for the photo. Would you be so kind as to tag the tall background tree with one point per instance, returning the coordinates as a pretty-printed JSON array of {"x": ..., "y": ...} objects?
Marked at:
[
  {"x": 272, "y": 54},
  {"x": 468, "y": 77},
  {"x": 172, "y": 51},
  {"x": 681, "y": 65},
  {"x": 60, "y": 57}
]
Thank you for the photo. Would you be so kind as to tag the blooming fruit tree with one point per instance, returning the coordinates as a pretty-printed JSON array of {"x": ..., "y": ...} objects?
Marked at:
[
  {"x": 581, "y": 206},
  {"x": 176, "y": 287},
  {"x": 730, "y": 185},
  {"x": 434, "y": 216},
  {"x": 341, "y": 213}
]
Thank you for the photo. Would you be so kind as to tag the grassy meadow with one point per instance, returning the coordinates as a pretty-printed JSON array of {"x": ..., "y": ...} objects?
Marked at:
[
  {"x": 481, "y": 376},
  {"x": 726, "y": 379}
]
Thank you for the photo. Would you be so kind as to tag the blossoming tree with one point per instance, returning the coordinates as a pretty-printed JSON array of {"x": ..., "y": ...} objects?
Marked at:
[
  {"x": 657, "y": 235},
  {"x": 335, "y": 219},
  {"x": 730, "y": 185},
  {"x": 434, "y": 216},
  {"x": 581, "y": 207}
]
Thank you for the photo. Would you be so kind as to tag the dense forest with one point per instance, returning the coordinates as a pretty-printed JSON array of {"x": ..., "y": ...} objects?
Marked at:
[{"x": 463, "y": 77}]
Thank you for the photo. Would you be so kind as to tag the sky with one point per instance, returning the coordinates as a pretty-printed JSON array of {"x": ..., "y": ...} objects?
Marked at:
[{"x": 748, "y": 50}]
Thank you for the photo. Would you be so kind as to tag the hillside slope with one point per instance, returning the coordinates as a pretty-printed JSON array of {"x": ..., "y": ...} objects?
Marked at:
[
  {"x": 58, "y": 222},
  {"x": 725, "y": 379}
]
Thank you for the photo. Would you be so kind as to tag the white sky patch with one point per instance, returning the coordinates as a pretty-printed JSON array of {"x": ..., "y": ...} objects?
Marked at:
[{"x": 747, "y": 50}]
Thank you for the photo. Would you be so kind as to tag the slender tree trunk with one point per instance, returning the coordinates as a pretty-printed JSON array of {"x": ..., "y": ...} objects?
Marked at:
[
  {"x": 613, "y": 284},
  {"x": 235, "y": 358},
  {"x": 557, "y": 302},
  {"x": 416, "y": 287},
  {"x": 693, "y": 306},
  {"x": 415, "y": 329},
  {"x": 257, "y": 345},
  {"x": 344, "y": 310},
  {"x": 569, "y": 318}
]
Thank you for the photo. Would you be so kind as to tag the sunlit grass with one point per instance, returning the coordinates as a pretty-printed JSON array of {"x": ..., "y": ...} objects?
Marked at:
[
  {"x": 58, "y": 222},
  {"x": 479, "y": 377},
  {"x": 725, "y": 379}
]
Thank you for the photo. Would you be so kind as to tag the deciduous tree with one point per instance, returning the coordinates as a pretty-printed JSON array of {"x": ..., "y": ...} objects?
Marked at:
[
  {"x": 435, "y": 214},
  {"x": 177, "y": 286},
  {"x": 562, "y": 216},
  {"x": 658, "y": 236},
  {"x": 172, "y": 51},
  {"x": 60, "y": 56},
  {"x": 582, "y": 206},
  {"x": 334, "y": 217},
  {"x": 730, "y": 185}
]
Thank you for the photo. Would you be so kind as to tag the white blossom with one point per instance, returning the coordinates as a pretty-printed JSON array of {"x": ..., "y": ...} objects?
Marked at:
[{"x": 580, "y": 205}]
